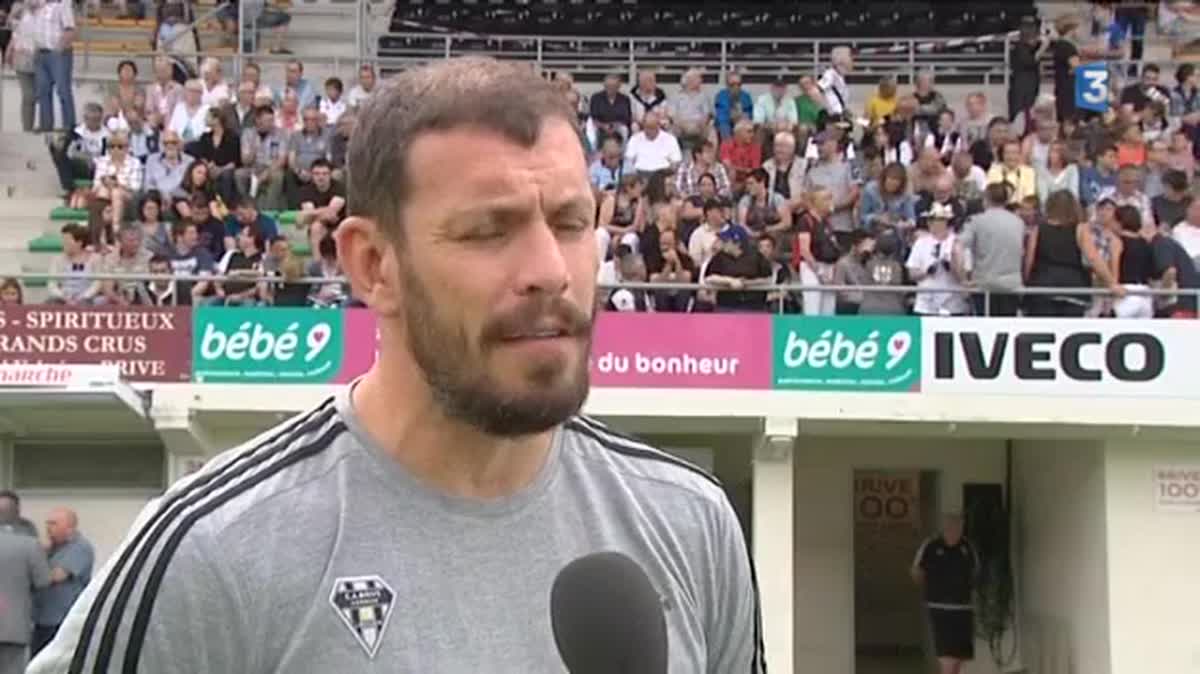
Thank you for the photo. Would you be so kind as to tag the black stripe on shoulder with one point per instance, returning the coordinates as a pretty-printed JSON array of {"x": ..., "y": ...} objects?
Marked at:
[
  {"x": 146, "y": 537},
  {"x": 141, "y": 621},
  {"x": 632, "y": 447}
]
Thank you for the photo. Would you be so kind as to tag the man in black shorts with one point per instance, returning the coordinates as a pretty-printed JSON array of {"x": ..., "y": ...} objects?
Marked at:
[{"x": 946, "y": 567}]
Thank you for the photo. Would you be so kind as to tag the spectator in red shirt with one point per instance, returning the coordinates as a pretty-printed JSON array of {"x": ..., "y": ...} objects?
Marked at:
[{"x": 741, "y": 153}]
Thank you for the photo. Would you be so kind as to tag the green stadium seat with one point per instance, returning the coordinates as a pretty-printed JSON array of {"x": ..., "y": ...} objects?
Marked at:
[
  {"x": 83, "y": 183},
  {"x": 288, "y": 217},
  {"x": 64, "y": 214},
  {"x": 46, "y": 243}
]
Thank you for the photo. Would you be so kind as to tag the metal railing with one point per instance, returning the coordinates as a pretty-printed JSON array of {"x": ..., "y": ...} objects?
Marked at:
[{"x": 789, "y": 288}]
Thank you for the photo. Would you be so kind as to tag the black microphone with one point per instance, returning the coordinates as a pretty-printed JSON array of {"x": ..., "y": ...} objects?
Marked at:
[{"x": 608, "y": 618}]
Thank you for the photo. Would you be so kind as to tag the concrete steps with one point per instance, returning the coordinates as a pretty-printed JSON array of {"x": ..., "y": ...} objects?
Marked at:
[{"x": 25, "y": 167}]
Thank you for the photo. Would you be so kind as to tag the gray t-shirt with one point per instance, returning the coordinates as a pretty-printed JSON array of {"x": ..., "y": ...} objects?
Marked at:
[
  {"x": 995, "y": 241},
  {"x": 309, "y": 550},
  {"x": 691, "y": 108},
  {"x": 836, "y": 177}
]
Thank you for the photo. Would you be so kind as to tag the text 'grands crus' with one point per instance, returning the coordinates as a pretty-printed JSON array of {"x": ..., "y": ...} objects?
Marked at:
[{"x": 97, "y": 321}]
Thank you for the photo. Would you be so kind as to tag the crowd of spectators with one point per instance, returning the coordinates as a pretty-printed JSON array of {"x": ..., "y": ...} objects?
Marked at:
[
  {"x": 956, "y": 209},
  {"x": 945, "y": 206},
  {"x": 189, "y": 177}
]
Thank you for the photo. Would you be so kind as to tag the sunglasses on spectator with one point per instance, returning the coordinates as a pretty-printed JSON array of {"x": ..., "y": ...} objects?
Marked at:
[
  {"x": 170, "y": 142},
  {"x": 118, "y": 146}
]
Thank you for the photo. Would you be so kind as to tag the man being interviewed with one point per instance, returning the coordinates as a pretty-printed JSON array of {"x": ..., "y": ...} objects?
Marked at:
[{"x": 442, "y": 492}]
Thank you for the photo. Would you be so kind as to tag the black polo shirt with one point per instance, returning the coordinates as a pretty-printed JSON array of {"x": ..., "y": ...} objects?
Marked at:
[
  {"x": 749, "y": 265},
  {"x": 618, "y": 110},
  {"x": 950, "y": 572}
]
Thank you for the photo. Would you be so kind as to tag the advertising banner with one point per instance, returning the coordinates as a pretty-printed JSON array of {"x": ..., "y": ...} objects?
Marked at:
[
  {"x": 722, "y": 351},
  {"x": 278, "y": 345},
  {"x": 826, "y": 353},
  {"x": 1060, "y": 357},
  {"x": 148, "y": 344}
]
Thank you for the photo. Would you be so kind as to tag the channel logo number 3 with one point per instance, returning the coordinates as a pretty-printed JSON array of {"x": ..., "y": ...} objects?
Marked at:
[{"x": 1091, "y": 87}]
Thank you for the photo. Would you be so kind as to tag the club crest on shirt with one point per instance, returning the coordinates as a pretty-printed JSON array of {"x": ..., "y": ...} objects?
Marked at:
[{"x": 364, "y": 604}]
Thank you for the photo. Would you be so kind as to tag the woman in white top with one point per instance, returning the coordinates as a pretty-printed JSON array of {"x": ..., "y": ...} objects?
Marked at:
[
  {"x": 1059, "y": 172},
  {"x": 931, "y": 265},
  {"x": 190, "y": 117}
]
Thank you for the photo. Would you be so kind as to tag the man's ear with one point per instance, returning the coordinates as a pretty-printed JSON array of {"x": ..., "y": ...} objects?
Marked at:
[{"x": 369, "y": 260}]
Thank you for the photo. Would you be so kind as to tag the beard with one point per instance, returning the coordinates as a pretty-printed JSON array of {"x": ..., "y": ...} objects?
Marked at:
[{"x": 548, "y": 393}]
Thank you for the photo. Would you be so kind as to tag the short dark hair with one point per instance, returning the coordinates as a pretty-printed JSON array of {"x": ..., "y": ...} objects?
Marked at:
[
  {"x": 158, "y": 259},
  {"x": 1183, "y": 72},
  {"x": 764, "y": 237},
  {"x": 1130, "y": 218},
  {"x": 760, "y": 175},
  {"x": 713, "y": 205},
  {"x": 997, "y": 194},
  {"x": 127, "y": 62},
  {"x": 76, "y": 231},
  {"x": 503, "y": 97},
  {"x": 336, "y": 83},
  {"x": 264, "y": 110},
  {"x": 327, "y": 247},
  {"x": 251, "y": 64},
  {"x": 320, "y": 162},
  {"x": 1176, "y": 180},
  {"x": 180, "y": 227},
  {"x": 245, "y": 202},
  {"x": 1150, "y": 68},
  {"x": 11, "y": 495},
  {"x": 997, "y": 121},
  {"x": 254, "y": 234}
]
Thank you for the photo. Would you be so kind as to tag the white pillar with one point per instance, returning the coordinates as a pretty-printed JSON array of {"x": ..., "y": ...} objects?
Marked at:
[{"x": 772, "y": 537}]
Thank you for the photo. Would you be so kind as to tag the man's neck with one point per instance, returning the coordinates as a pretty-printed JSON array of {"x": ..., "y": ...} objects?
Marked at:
[{"x": 453, "y": 457}]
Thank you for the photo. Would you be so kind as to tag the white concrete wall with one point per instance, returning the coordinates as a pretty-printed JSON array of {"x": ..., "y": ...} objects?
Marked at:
[
  {"x": 824, "y": 529},
  {"x": 1153, "y": 564},
  {"x": 1061, "y": 550}
]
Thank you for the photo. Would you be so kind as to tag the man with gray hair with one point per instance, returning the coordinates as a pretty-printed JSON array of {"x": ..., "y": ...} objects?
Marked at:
[
  {"x": 833, "y": 82},
  {"x": 442, "y": 493}
]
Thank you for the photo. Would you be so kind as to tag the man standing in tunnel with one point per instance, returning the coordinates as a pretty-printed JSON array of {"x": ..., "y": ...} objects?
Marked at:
[{"x": 947, "y": 567}]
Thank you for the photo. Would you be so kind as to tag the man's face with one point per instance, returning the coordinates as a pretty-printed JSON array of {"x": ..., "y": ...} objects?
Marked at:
[
  {"x": 999, "y": 133},
  {"x": 715, "y": 217},
  {"x": 246, "y": 239},
  {"x": 58, "y": 527},
  {"x": 333, "y": 93},
  {"x": 293, "y": 74},
  {"x": 1193, "y": 213},
  {"x": 1149, "y": 78},
  {"x": 200, "y": 213},
  {"x": 612, "y": 148},
  {"x": 975, "y": 106},
  {"x": 952, "y": 529},
  {"x": 280, "y": 249},
  {"x": 1106, "y": 213},
  {"x": 8, "y": 295},
  {"x": 1129, "y": 182},
  {"x": 708, "y": 154},
  {"x": 322, "y": 177},
  {"x": 755, "y": 187},
  {"x": 650, "y": 124},
  {"x": 264, "y": 122},
  {"x": 1156, "y": 152},
  {"x": 647, "y": 81},
  {"x": 943, "y": 189},
  {"x": 251, "y": 75},
  {"x": 612, "y": 84},
  {"x": 312, "y": 121},
  {"x": 70, "y": 245},
  {"x": 785, "y": 152},
  {"x": 828, "y": 149},
  {"x": 160, "y": 268},
  {"x": 504, "y": 348},
  {"x": 734, "y": 82},
  {"x": 778, "y": 89},
  {"x": 1108, "y": 160},
  {"x": 767, "y": 248},
  {"x": 744, "y": 133},
  {"x": 366, "y": 79},
  {"x": 190, "y": 237},
  {"x": 666, "y": 241},
  {"x": 246, "y": 214},
  {"x": 130, "y": 242},
  {"x": 193, "y": 96},
  {"x": 245, "y": 95},
  {"x": 92, "y": 118}
]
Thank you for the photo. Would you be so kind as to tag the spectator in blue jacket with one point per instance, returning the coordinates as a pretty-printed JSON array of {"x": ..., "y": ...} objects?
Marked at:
[
  {"x": 728, "y": 99},
  {"x": 887, "y": 201}
]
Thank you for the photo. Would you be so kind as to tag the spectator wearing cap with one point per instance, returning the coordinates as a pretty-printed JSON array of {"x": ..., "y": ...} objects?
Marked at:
[
  {"x": 606, "y": 171},
  {"x": 610, "y": 111},
  {"x": 1012, "y": 170},
  {"x": 775, "y": 104},
  {"x": 833, "y": 174},
  {"x": 943, "y": 193},
  {"x": 647, "y": 96},
  {"x": 703, "y": 242},
  {"x": 360, "y": 92},
  {"x": 736, "y": 266},
  {"x": 931, "y": 264},
  {"x": 816, "y": 250},
  {"x": 653, "y": 152},
  {"x": 703, "y": 162},
  {"x": 991, "y": 247},
  {"x": 731, "y": 105},
  {"x": 1171, "y": 206},
  {"x": 762, "y": 211},
  {"x": 79, "y": 265}
]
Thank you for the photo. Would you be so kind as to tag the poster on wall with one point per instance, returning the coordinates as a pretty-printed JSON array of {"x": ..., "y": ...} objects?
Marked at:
[
  {"x": 887, "y": 498},
  {"x": 1177, "y": 489}
]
